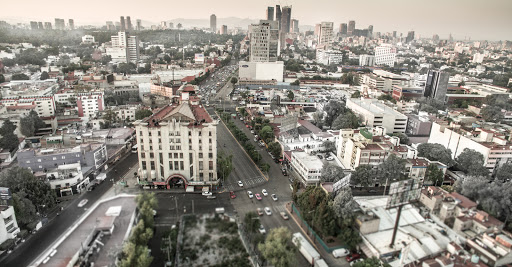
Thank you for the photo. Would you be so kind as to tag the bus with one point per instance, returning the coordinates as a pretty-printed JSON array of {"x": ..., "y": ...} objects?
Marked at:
[{"x": 134, "y": 148}]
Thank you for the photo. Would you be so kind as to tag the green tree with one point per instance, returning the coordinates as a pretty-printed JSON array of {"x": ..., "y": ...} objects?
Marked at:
[
  {"x": 266, "y": 134},
  {"x": 234, "y": 80},
  {"x": 296, "y": 82},
  {"x": 393, "y": 168},
  {"x": 224, "y": 165},
  {"x": 142, "y": 113},
  {"x": 333, "y": 110},
  {"x": 110, "y": 117},
  {"x": 106, "y": 59},
  {"x": 371, "y": 262},
  {"x": 8, "y": 140},
  {"x": 141, "y": 234},
  {"x": 349, "y": 233},
  {"x": 436, "y": 152},
  {"x": 492, "y": 114},
  {"x": 290, "y": 95},
  {"x": 275, "y": 149},
  {"x": 347, "y": 120},
  {"x": 504, "y": 173},
  {"x": 356, "y": 94},
  {"x": 471, "y": 162},
  {"x": 44, "y": 76},
  {"x": 332, "y": 173},
  {"x": 252, "y": 222},
  {"x": 278, "y": 248},
  {"x": 2, "y": 78},
  {"x": 363, "y": 175},
  {"x": 404, "y": 139},
  {"x": 344, "y": 203},
  {"x": 434, "y": 174},
  {"x": 329, "y": 146},
  {"x": 126, "y": 68},
  {"x": 135, "y": 256},
  {"x": 24, "y": 208},
  {"x": 31, "y": 124},
  {"x": 19, "y": 76}
]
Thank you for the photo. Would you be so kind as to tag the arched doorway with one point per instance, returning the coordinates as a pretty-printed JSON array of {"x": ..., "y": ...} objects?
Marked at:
[{"x": 177, "y": 181}]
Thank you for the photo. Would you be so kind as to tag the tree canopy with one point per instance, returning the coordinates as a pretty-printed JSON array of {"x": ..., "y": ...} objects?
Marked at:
[
  {"x": 363, "y": 175},
  {"x": 31, "y": 124},
  {"x": 436, "y": 152},
  {"x": 471, "y": 162},
  {"x": 332, "y": 173},
  {"x": 142, "y": 113},
  {"x": 278, "y": 248},
  {"x": 8, "y": 140},
  {"x": 434, "y": 175}
]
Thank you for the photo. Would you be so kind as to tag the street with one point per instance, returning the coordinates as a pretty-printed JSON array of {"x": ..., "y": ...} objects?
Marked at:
[{"x": 37, "y": 243}]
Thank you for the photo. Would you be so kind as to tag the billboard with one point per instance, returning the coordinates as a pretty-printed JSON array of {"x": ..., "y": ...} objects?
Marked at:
[
  {"x": 289, "y": 122},
  {"x": 199, "y": 58},
  {"x": 5, "y": 193},
  {"x": 402, "y": 192}
]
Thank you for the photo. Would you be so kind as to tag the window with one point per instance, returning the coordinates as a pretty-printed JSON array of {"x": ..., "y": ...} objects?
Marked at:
[
  {"x": 28, "y": 161},
  {"x": 210, "y": 165},
  {"x": 63, "y": 157},
  {"x": 152, "y": 165},
  {"x": 201, "y": 176},
  {"x": 182, "y": 166},
  {"x": 151, "y": 155},
  {"x": 144, "y": 167},
  {"x": 178, "y": 147},
  {"x": 170, "y": 155},
  {"x": 38, "y": 160},
  {"x": 209, "y": 133},
  {"x": 175, "y": 155},
  {"x": 200, "y": 165},
  {"x": 200, "y": 133},
  {"x": 200, "y": 155},
  {"x": 54, "y": 158},
  {"x": 210, "y": 175},
  {"x": 189, "y": 133},
  {"x": 210, "y": 155},
  {"x": 181, "y": 155},
  {"x": 210, "y": 140},
  {"x": 190, "y": 158}
]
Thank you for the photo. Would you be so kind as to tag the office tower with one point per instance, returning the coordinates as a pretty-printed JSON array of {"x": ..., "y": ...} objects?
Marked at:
[
  {"x": 394, "y": 34},
  {"x": 370, "y": 31},
  {"x": 47, "y": 25},
  {"x": 436, "y": 85},
  {"x": 139, "y": 25},
  {"x": 110, "y": 26},
  {"x": 343, "y": 28},
  {"x": 213, "y": 23},
  {"x": 278, "y": 16},
  {"x": 171, "y": 25},
  {"x": 295, "y": 25},
  {"x": 270, "y": 13},
  {"x": 286, "y": 17},
  {"x": 325, "y": 35},
  {"x": 59, "y": 24},
  {"x": 224, "y": 29},
  {"x": 163, "y": 25},
  {"x": 264, "y": 39},
  {"x": 179, "y": 26},
  {"x": 410, "y": 37},
  {"x": 129, "y": 26},
  {"x": 40, "y": 25},
  {"x": 124, "y": 48},
  {"x": 33, "y": 25},
  {"x": 435, "y": 38},
  {"x": 351, "y": 27},
  {"x": 71, "y": 24},
  {"x": 366, "y": 60},
  {"x": 385, "y": 54},
  {"x": 122, "y": 25}
]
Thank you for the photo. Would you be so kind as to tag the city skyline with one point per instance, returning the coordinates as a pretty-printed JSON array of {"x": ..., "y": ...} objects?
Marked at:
[{"x": 472, "y": 19}]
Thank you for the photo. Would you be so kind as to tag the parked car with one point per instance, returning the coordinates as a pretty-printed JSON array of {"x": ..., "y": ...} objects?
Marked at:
[
  {"x": 83, "y": 203},
  {"x": 268, "y": 211},
  {"x": 274, "y": 197},
  {"x": 262, "y": 229},
  {"x": 342, "y": 252},
  {"x": 207, "y": 193},
  {"x": 249, "y": 193},
  {"x": 319, "y": 156},
  {"x": 353, "y": 257},
  {"x": 356, "y": 261},
  {"x": 240, "y": 184},
  {"x": 211, "y": 197},
  {"x": 264, "y": 192},
  {"x": 284, "y": 215},
  {"x": 258, "y": 197},
  {"x": 259, "y": 211},
  {"x": 232, "y": 194}
]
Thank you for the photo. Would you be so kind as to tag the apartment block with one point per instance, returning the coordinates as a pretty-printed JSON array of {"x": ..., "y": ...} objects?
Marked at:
[
  {"x": 374, "y": 113},
  {"x": 8, "y": 224},
  {"x": 385, "y": 54}
]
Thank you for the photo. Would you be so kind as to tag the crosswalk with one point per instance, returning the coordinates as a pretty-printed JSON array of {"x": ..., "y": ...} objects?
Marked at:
[
  {"x": 248, "y": 183},
  {"x": 279, "y": 208}
]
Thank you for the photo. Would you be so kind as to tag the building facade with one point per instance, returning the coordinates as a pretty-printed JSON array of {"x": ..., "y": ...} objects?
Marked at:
[
  {"x": 385, "y": 54},
  {"x": 213, "y": 23},
  {"x": 264, "y": 39},
  {"x": 124, "y": 48},
  {"x": 436, "y": 85},
  {"x": 328, "y": 57},
  {"x": 325, "y": 35},
  {"x": 270, "y": 13},
  {"x": 8, "y": 224},
  {"x": 374, "y": 113}
]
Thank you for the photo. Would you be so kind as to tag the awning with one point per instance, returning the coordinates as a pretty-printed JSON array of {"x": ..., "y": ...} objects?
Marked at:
[
  {"x": 190, "y": 189},
  {"x": 159, "y": 183},
  {"x": 206, "y": 188}
]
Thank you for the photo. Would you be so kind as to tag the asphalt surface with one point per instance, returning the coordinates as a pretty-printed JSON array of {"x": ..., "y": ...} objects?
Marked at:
[{"x": 36, "y": 244}]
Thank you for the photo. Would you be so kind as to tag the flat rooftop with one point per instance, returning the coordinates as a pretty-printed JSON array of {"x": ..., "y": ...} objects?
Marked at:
[{"x": 376, "y": 107}]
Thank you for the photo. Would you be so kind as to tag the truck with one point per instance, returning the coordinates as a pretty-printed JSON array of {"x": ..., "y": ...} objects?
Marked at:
[
  {"x": 101, "y": 177},
  {"x": 306, "y": 249}
]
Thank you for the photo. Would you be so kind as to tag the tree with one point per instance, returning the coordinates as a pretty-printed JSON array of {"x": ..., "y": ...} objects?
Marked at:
[
  {"x": 404, "y": 139},
  {"x": 2, "y": 78},
  {"x": 393, "y": 168},
  {"x": 44, "y": 76},
  {"x": 266, "y": 133},
  {"x": 110, "y": 117},
  {"x": 363, "y": 175},
  {"x": 252, "y": 222},
  {"x": 126, "y": 68},
  {"x": 329, "y": 146},
  {"x": 356, "y": 94},
  {"x": 471, "y": 162},
  {"x": 331, "y": 173},
  {"x": 504, "y": 173},
  {"x": 278, "y": 248},
  {"x": 27, "y": 126},
  {"x": 371, "y": 262},
  {"x": 224, "y": 165},
  {"x": 344, "y": 203},
  {"x": 275, "y": 149},
  {"x": 9, "y": 140},
  {"x": 436, "y": 152},
  {"x": 135, "y": 255},
  {"x": 234, "y": 80},
  {"x": 472, "y": 186},
  {"x": 318, "y": 118},
  {"x": 434, "y": 174},
  {"x": 19, "y": 76},
  {"x": 24, "y": 208},
  {"x": 492, "y": 114},
  {"x": 332, "y": 110},
  {"x": 290, "y": 95},
  {"x": 141, "y": 234},
  {"x": 296, "y": 82},
  {"x": 347, "y": 120},
  {"x": 142, "y": 113}
]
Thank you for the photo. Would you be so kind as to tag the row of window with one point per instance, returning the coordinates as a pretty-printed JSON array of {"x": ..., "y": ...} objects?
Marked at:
[{"x": 54, "y": 158}]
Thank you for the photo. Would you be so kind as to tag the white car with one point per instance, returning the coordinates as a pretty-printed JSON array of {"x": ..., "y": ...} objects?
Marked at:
[
  {"x": 249, "y": 193},
  {"x": 206, "y": 193},
  {"x": 329, "y": 158},
  {"x": 262, "y": 229},
  {"x": 83, "y": 203},
  {"x": 264, "y": 192},
  {"x": 342, "y": 252},
  {"x": 240, "y": 184},
  {"x": 355, "y": 261},
  {"x": 268, "y": 211},
  {"x": 274, "y": 197}
]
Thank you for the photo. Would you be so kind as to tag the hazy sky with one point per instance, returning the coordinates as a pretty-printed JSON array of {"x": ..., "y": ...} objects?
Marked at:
[{"x": 478, "y": 19}]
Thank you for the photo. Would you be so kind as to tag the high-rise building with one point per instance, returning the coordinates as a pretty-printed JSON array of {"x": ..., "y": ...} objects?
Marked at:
[
  {"x": 394, "y": 34},
  {"x": 295, "y": 25},
  {"x": 278, "y": 16},
  {"x": 71, "y": 24},
  {"x": 435, "y": 38},
  {"x": 163, "y": 25},
  {"x": 343, "y": 28},
  {"x": 47, "y": 25},
  {"x": 40, "y": 25},
  {"x": 436, "y": 85},
  {"x": 286, "y": 17},
  {"x": 410, "y": 37},
  {"x": 171, "y": 25},
  {"x": 366, "y": 60},
  {"x": 224, "y": 29},
  {"x": 351, "y": 27},
  {"x": 129, "y": 26},
  {"x": 123, "y": 25},
  {"x": 264, "y": 39},
  {"x": 270, "y": 13},
  {"x": 139, "y": 25},
  {"x": 110, "y": 26},
  {"x": 177, "y": 145},
  {"x": 59, "y": 24},
  {"x": 213, "y": 23},
  {"x": 385, "y": 54},
  {"x": 33, "y": 25},
  {"x": 370, "y": 31},
  {"x": 124, "y": 48},
  {"x": 325, "y": 35}
]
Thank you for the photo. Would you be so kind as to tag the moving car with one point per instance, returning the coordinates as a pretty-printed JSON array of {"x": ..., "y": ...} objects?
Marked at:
[
  {"x": 240, "y": 184},
  {"x": 232, "y": 194},
  {"x": 83, "y": 203},
  {"x": 342, "y": 252},
  {"x": 284, "y": 215},
  {"x": 207, "y": 193},
  {"x": 262, "y": 229},
  {"x": 258, "y": 197},
  {"x": 259, "y": 211},
  {"x": 264, "y": 192},
  {"x": 274, "y": 197},
  {"x": 268, "y": 211},
  {"x": 249, "y": 193}
]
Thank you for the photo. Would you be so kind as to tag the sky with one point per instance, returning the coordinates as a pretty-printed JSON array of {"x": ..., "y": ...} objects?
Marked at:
[{"x": 477, "y": 19}]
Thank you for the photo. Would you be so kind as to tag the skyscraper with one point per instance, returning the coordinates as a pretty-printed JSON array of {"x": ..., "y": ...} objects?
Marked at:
[
  {"x": 270, "y": 13},
  {"x": 264, "y": 39},
  {"x": 385, "y": 54},
  {"x": 295, "y": 25},
  {"x": 410, "y": 37},
  {"x": 129, "y": 26},
  {"x": 139, "y": 25},
  {"x": 325, "y": 35},
  {"x": 394, "y": 34},
  {"x": 47, "y": 25},
  {"x": 278, "y": 16},
  {"x": 213, "y": 23},
  {"x": 370, "y": 31},
  {"x": 59, "y": 24},
  {"x": 286, "y": 17},
  {"x": 123, "y": 25},
  {"x": 40, "y": 25},
  {"x": 343, "y": 28},
  {"x": 71, "y": 24},
  {"x": 436, "y": 85},
  {"x": 224, "y": 29},
  {"x": 33, "y": 25},
  {"x": 110, "y": 26},
  {"x": 351, "y": 27},
  {"x": 124, "y": 48}
]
